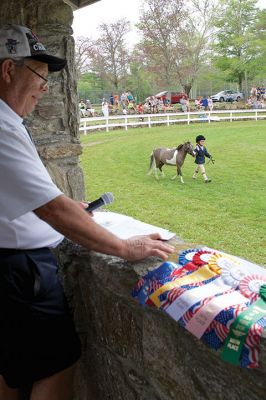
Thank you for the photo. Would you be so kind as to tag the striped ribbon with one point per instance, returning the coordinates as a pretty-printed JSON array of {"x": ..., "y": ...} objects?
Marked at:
[
  {"x": 202, "y": 319},
  {"x": 202, "y": 274},
  {"x": 184, "y": 302}
]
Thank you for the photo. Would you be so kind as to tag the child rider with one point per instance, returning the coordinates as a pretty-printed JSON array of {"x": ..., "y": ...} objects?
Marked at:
[{"x": 201, "y": 153}]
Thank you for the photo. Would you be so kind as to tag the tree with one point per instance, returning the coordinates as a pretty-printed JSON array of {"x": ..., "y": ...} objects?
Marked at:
[
  {"x": 159, "y": 24},
  {"x": 83, "y": 46},
  {"x": 109, "y": 56},
  {"x": 90, "y": 86},
  {"x": 175, "y": 38},
  {"x": 257, "y": 66},
  {"x": 139, "y": 80},
  {"x": 237, "y": 45},
  {"x": 195, "y": 34}
]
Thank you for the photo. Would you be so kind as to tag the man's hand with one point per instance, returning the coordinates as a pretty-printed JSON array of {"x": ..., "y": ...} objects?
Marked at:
[
  {"x": 140, "y": 247},
  {"x": 85, "y": 205},
  {"x": 69, "y": 218}
]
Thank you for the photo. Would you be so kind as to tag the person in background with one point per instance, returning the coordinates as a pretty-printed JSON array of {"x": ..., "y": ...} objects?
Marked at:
[
  {"x": 204, "y": 103},
  {"x": 183, "y": 103},
  {"x": 130, "y": 97},
  {"x": 82, "y": 108},
  {"x": 201, "y": 153},
  {"x": 105, "y": 108},
  {"x": 89, "y": 109},
  {"x": 116, "y": 102},
  {"x": 111, "y": 99},
  {"x": 39, "y": 344},
  {"x": 210, "y": 103},
  {"x": 140, "y": 110},
  {"x": 254, "y": 92},
  {"x": 123, "y": 100},
  {"x": 198, "y": 104}
]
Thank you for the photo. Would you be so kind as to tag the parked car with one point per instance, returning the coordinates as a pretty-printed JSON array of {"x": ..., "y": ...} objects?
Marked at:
[
  {"x": 227, "y": 95},
  {"x": 173, "y": 97}
]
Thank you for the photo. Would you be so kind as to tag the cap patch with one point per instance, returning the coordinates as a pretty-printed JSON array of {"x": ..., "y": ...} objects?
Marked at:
[
  {"x": 11, "y": 46},
  {"x": 34, "y": 43}
]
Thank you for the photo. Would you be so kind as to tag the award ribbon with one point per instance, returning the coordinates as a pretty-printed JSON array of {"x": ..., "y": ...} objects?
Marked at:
[
  {"x": 187, "y": 255},
  {"x": 239, "y": 329},
  {"x": 189, "y": 267},
  {"x": 223, "y": 261},
  {"x": 202, "y": 274},
  {"x": 186, "y": 300},
  {"x": 206, "y": 314},
  {"x": 250, "y": 285},
  {"x": 202, "y": 257}
]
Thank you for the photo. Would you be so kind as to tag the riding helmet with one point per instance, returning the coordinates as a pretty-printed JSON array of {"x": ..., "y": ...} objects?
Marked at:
[{"x": 199, "y": 138}]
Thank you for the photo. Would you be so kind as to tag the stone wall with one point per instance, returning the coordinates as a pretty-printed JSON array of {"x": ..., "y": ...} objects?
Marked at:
[
  {"x": 54, "y": 123},
  {"x": 136, "y": 353}
]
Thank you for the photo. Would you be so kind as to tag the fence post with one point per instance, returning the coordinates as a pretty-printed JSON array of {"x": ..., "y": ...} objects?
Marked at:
[
  {"x": 126, "y": 123},
  {"x": 149, "y": 121},
  {"x": 231, "y": 116},
  {"x": 107, "y": 125},
  {"x": 209, "y": 117},
  {"x": 85, "y": 126},
  {"x": 256, "y": 113},
  {"x": 168, "y": 123},
  {"x": 188, "y": 118}
]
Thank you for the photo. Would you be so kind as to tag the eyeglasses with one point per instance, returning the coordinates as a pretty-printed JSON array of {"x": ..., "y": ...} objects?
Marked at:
[{"x": 45, "y": 80}]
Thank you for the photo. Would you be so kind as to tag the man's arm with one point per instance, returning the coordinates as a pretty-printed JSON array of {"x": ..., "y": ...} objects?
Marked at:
[{"x": 67, "y": 217}]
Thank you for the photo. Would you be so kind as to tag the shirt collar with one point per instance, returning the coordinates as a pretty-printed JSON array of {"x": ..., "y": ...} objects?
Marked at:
[{"x": 7, "y": 113}]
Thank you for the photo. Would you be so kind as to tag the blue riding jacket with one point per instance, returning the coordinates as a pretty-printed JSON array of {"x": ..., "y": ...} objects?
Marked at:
[{"x": 201, "y": 153}]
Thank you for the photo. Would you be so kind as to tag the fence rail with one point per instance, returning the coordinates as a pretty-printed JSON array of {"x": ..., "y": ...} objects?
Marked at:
[{"x": 126, "y": 121}]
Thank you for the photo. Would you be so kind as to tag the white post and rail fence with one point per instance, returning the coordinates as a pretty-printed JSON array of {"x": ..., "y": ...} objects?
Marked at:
[{"x": 94, "y": 124}]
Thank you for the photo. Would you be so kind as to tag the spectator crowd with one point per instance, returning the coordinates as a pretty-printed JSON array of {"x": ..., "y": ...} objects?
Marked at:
[
  {"x": 257, "y": 98},
  {"x": 128, "y": 104}
]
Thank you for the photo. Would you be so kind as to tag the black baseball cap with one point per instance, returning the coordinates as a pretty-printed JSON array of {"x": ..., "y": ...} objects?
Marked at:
[{"x": 20, "y": 42}]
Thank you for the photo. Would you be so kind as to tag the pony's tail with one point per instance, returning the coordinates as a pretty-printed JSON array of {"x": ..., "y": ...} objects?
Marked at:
[{"x": 151, "y": 164}]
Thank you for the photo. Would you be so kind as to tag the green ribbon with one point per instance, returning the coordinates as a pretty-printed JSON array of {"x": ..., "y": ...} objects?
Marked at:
[{"x": 238, "y": 332}]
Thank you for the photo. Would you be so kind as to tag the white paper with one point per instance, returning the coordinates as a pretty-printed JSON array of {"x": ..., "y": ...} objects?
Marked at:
[{"x": 124, "y": 226}]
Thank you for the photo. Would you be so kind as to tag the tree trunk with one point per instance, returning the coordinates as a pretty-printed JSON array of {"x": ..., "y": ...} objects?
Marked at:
[{"x": 187, "y": 88}]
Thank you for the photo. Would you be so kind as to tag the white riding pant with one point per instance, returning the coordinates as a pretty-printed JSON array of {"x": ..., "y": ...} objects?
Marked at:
[{"x": 201, "y": 168}]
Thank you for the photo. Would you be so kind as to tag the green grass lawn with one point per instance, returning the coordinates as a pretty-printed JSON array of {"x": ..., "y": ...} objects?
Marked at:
[{"x": 228, "y": 214}]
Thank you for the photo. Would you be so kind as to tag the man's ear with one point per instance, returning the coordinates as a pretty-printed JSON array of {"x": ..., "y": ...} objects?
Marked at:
[{"x": 7, "y": 69}]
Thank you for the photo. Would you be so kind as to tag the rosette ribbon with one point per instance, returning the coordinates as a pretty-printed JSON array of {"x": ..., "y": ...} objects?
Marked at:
[{"x": 239, "y": 329}]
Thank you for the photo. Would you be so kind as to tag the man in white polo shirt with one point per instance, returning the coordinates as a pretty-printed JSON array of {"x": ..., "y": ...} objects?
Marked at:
[{"x": 38, "y": 342}]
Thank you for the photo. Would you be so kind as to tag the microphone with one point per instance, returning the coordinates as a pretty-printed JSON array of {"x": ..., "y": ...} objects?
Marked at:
[{"x": 105, "y": 198}]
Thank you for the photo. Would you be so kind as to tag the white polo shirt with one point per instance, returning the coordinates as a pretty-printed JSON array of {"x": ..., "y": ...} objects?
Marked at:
[{"x": 24, "y": 186}]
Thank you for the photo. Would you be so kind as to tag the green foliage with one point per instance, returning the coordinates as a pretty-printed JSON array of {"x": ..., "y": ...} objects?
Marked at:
[
  {"x": 237, "y": 46},
  {"x": 258, "y": 65},
  {"x": 228, "y": 214},
  {"x": 139, "y": 82},
  {"x": 90, "y": 86}
]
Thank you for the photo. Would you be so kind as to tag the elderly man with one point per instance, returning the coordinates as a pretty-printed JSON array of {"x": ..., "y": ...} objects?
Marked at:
[{"x": 38, "y": 342}]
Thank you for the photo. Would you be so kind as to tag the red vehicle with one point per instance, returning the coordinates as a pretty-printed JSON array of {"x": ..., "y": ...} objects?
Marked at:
[{"x": 172, "y": 97}]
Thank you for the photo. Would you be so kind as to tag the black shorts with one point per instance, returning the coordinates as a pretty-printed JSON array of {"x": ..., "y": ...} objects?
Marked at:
[{"x": 37, "y": 334}]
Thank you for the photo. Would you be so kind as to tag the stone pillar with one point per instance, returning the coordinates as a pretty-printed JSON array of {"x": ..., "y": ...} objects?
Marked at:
[{"x": 54, "y": 123}]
